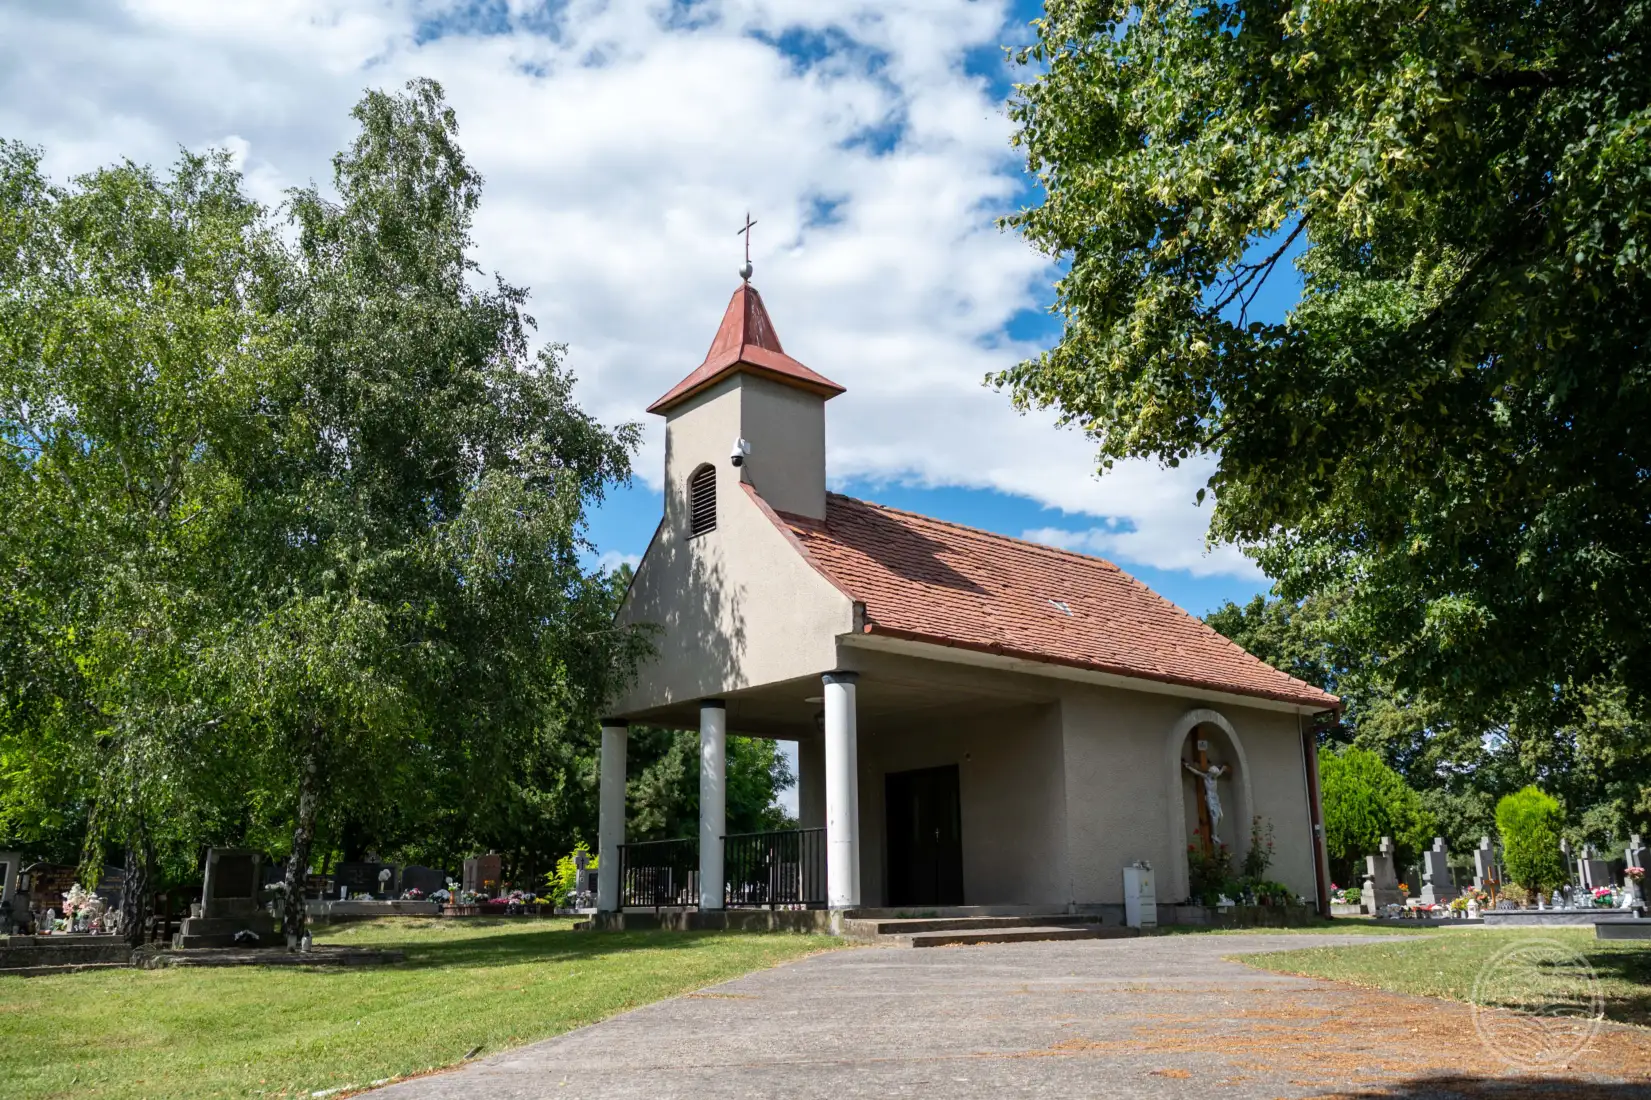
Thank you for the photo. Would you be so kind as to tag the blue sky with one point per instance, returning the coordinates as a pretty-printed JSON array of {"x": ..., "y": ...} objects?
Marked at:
[{"x": 622, "y": 142}]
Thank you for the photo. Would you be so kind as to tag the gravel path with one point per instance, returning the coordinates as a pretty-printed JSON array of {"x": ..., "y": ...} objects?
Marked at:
[{"x": 1144, "y": 1018}]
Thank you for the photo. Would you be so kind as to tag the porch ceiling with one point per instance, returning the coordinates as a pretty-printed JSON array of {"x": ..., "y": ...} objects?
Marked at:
[{"x": 787, "y": 710}]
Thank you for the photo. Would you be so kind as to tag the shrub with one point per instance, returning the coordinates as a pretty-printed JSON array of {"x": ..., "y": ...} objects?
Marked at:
[
  {"x": 562, "y": 882},
  {"x": 1530, "y": 822},
  {"x": 1365, "y": 800}
]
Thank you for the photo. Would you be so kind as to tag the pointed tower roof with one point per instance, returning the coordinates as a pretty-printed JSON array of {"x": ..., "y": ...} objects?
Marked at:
[{"x": 746, "y": 341}]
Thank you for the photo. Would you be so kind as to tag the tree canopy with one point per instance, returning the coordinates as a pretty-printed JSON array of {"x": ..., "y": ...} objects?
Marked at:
[
  {"x": 1593, "y": 754},
  {"x": 1365, "y": 800},
  {"x": 1449, "y": 433},
  {"x": 295, "y": 521},
  {"x": 1531, "y": 822}
]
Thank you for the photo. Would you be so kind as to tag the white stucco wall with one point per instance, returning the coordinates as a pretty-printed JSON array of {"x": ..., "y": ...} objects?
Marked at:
[
  {"x": 1010, "y": 789},
  {"x": 735, "y": 607},
  {"x": 1120, "y": 768}
]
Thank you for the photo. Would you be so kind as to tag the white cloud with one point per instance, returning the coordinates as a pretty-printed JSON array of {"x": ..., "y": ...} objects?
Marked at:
[
  {"x": 622, "y": 141},
  {"x": 613, "y": 559}
]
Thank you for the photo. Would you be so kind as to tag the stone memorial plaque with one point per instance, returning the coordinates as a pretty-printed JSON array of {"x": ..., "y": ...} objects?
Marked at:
[
  {"x": 358, "y": 878},
  {"x": 1438, "y": 888},
  {"x": 233, "y": 882},
  {"x": 482, "y": 873},
  {"x": 1381, "y": 881},
  {"x": 426, "y": 880},
  {"x": 1484, "y": 865}
]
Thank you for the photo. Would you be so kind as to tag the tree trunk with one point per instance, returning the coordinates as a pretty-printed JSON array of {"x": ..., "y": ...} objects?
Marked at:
[
  {"x": 295, "y": 917},
  {"x": 137, "y": 892}
]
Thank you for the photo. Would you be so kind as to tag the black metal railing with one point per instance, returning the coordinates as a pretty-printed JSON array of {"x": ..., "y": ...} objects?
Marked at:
[
  {"x": 657, "y": 874},
  {"x": 775, "y": 870}
]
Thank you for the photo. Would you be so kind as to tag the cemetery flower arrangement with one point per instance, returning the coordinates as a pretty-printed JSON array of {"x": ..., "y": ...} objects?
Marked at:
[
  {"x": 1604, "y": 896},
  {"x": 1634, "y": 874},
  {"x": 1352, "y": 895},
  {"x": 414, "y": 894},
  {"x": 443, "y": 896}
]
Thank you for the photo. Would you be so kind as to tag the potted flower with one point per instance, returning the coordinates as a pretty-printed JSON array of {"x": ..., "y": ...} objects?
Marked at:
[
  {"x": 1604, "y": 897},
  {"x": 1634, "y": 880}
]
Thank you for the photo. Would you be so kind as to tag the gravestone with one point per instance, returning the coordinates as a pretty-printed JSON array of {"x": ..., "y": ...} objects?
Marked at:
[
  {"x": 1635, "y": 856},
  {"x": 48, "y": 882},
  {"x": 10, "y": 864},
  {"x": 111, "y": 884},
  {"x": 426, "y": 880},
  {"x": 1381, "y": 881},
  {"x": 1593, "y": 871},
  {"x": 482, "y": 873},
  {"x": 1438, "y": 888},
  {"x": 1484, "y": 866},
  {"x": 360, "y": 879},
  {"x": 232, "y": 899}
]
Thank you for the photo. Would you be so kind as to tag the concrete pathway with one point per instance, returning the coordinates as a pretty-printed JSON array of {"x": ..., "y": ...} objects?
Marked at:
[{"x": 1142, "y": 1018}]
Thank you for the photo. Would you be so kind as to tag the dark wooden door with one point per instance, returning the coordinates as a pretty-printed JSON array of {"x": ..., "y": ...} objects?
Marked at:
[{"x": 925, "y": 833}]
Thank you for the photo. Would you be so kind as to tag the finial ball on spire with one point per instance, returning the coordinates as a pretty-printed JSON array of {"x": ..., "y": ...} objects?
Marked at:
[{"x": 745, "y": 271}]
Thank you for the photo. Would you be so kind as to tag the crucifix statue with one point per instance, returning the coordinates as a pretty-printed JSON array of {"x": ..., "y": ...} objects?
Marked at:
[
  {"x": 1212, "y": 798},
  {"x": 745, "y": 272}
]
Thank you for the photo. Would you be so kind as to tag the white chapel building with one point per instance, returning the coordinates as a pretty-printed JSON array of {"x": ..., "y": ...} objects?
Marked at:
[{"x": 980, "y": 721}]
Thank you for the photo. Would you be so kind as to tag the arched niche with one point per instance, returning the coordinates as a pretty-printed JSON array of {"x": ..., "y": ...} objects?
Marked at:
[{"x": 1239, "y": 811}]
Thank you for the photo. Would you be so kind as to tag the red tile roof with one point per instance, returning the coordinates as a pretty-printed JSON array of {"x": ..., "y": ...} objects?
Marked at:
[
  {"x": 746, "y": 341},
  {"x": 926, "y": 580}
]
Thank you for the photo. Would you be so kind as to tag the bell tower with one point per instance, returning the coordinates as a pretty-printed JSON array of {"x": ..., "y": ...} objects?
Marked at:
[{"x": 750, "y": 412}]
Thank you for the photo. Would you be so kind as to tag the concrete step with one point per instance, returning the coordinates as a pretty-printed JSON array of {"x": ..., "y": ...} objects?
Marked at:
[
  {"x": 71, "y": 949},
  {"x": 934, "y": 912},
  {"x": 1017, "y": 934},
  {"x": 896, "y": 926}
]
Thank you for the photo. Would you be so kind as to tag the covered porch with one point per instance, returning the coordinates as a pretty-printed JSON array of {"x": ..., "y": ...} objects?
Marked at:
[{"x": 920, "y": 783}]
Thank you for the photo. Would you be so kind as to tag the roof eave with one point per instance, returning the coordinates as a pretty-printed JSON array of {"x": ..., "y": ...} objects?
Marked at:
[
  {"x": 825, "y": 389},
  {"x": 1313, "y": 704}
]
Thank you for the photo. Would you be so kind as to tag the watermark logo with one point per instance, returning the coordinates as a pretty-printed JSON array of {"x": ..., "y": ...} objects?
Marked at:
[{"x": 1537, "y": 1004}]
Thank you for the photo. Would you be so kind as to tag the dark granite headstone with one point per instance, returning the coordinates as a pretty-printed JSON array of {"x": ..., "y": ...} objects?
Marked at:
[
  {"x": 48, "y": 882},
  {"x": 482, "y": 873},
  {"x": 359, "y": 878},
  {"x": 232, "y": 899},
  {"x": 426, "y": 880},
  {"x": 233, "y": 882}
]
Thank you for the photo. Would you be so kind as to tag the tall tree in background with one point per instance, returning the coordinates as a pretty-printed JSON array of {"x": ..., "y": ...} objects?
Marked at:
[
  {"x": 1451, "y": 433},
  {"x": 1592, "y": 752},
  {"x": 293, "y": 530},
  {"x": 134, "y": 357},
  {"x": 426, "y": 620}
]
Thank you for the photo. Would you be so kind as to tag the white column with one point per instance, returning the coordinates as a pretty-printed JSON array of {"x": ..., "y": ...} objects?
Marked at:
[
  {"x": 842, "y": 794},
  {"x": 610, "y": 830},
  {"x": 713, "y": 799},
  {"x": 811, "y": 783}
]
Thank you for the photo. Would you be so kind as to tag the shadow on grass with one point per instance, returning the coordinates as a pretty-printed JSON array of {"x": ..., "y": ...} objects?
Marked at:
[
  {"x": 1629, "y": 968},
  {"x": 1470, "y": 1087},
  {"x": 553, "y": 945}
]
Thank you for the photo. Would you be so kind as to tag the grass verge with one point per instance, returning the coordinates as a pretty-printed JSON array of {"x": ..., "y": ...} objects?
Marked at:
[
  {"x": 1447, "y": 964},
  {"x": 1353, "y": 926},
  {"x": 280, "y": 1032}
]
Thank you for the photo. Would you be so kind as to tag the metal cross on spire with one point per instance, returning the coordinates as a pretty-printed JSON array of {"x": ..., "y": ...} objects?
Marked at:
[{"x": 745, "y": 272}]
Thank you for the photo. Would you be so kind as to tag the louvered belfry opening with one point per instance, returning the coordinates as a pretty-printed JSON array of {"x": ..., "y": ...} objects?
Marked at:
[{"x": 702, "y": 500}]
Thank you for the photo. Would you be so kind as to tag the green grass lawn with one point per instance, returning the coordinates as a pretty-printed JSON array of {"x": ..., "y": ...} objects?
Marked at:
[
  {"x": 258, "y": 1031},
  {"x": 1447, "y": 963}
]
